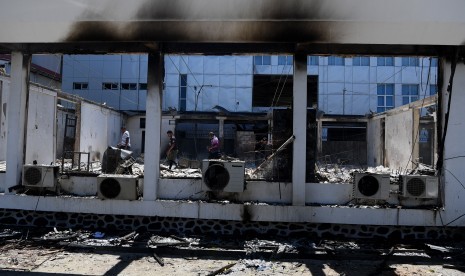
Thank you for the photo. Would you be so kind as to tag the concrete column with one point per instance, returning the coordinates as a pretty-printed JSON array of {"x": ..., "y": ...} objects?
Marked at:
[
  {"x": 319, "y": 139},
  {"x": 299, "y": 114},
  {"x": 16, "y": 118},
  {"x": 153, "y": 126},
  {"x": 221, "y": 131}
]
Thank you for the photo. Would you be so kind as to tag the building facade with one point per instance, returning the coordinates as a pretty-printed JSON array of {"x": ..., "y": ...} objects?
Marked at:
[{"x": 337, "y": 85}]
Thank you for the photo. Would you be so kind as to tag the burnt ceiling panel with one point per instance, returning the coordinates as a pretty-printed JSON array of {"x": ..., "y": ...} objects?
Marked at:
[{"x": 304, "y": 24}]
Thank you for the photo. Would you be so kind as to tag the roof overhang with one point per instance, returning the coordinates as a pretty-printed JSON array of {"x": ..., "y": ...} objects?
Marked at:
[{"x": 232, "y": 26}]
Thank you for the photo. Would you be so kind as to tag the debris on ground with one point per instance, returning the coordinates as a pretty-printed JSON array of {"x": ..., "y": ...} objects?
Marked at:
[{"x": 132, "y": 253}]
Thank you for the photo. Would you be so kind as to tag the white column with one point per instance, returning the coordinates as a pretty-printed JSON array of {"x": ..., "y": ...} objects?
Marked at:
[
  {"x": 299, "y": 109},
  {"x": 153, "y": 126},
  {"x": 16, "y": 118}
]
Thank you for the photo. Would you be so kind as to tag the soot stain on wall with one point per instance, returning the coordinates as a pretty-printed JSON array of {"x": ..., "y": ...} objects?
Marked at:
[{"x": 273, "y": 22}]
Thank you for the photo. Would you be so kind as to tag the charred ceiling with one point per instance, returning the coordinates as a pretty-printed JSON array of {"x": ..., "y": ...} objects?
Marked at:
[{"x": 112, "y": 47}]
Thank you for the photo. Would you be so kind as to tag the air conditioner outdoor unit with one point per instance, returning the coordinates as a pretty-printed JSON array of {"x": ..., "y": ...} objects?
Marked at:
[
  {"x": 371, "y": 186},
  {"x": 419, "y": 186},
  {"x": 117, "y": 186},
  {"x": 226, "y": 176},
  {"x": 40, "y": 176}
]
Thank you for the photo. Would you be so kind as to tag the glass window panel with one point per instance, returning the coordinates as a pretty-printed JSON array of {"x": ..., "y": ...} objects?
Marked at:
[
  {"x": 405, "y": 61},
  {"x": 405, "y": 90},
  {"x": 389, "y": 61},
  {"x": 389, "y": 89},
  {"x": 380, "y": 101},
  {"x": 389, "y": 101},
  {"x": 266, "y": 60},
  {"x": 365, "y": 61},
  {"x": 433, "y": 89},
  {"x": 183, "y": 79}
]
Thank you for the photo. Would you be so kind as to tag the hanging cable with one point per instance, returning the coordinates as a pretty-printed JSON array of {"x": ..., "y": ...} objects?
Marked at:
[
  {"x": 439, "y": 164},
  {"x": 417, "y": 134},
  {"x": 284, "y": 85}
]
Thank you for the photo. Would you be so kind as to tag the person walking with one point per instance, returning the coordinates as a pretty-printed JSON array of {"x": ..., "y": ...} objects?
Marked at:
[
  {"x": 214, "y": 148},
  {"x": 125, "y": 139},
  {"x": 172, "y": 151}
]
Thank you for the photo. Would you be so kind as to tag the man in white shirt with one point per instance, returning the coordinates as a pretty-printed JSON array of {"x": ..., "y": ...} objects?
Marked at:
[{"x": 125, "y": 140}]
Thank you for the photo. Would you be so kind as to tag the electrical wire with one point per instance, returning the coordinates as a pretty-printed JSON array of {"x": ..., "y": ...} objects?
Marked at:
[
  {"x": 277, "y": 86},
  {"x": 463, "y": 186},
  {"x": 422, "y": 105},
  {"x": 284, "y": 84},
  {"x": 453, "y": 66}
]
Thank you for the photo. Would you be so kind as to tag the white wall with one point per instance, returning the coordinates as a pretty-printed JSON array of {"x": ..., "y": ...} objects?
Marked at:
[
  {"x": 135, "y": 132},
  {"x": 100, "y": 128},
  {"x": 41, "y": 129},
  {"x": 41, "y": 126},
  {"x": 399, "y": 140},
  {"x": 375, "y": 145},
  {"x": 3, "y": 87},
  {"x": 454, "y": 172}
]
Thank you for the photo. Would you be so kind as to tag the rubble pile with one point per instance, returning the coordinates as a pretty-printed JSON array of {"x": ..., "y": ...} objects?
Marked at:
[
  {"x": 178, "y": 172},
  {"x": 94, "y": 166}
]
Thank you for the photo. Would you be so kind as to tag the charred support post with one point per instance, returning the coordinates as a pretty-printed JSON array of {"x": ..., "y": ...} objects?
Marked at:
[
  {"x": 221, "y": 131},
  {"x": 153, "y": 125},
  {"x": 299, "y": 114},
  {"x": 16, "y": 117}
]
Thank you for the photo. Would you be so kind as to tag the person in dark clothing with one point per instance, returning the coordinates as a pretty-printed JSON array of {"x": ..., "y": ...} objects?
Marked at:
[
  {"x": 214, "y": 148},
  {"x": 172, "y": 151}
]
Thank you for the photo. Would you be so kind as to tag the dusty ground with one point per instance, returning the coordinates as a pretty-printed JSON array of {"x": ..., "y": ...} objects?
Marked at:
[
  {"x": 110, "y": 256},
  {"x": 45, "y": 261}
]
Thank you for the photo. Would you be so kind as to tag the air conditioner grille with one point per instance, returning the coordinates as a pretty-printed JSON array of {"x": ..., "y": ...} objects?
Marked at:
[
  {"x": 33, "y": 176},
  {"x": 110, "y": 188},
  {"x": 216, "y": 177},
  {"x": 416, "y": 186},
  {"x": 368, "y": 185}
]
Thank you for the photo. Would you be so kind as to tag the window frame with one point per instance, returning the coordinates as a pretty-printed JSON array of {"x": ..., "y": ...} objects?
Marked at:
[
  {"x": 80, "y": 86},
  {"x": 110, "y": 86},
  {"x": 435, "y": 89},
  {"x": 336, "y": 60},
  {"x": 285, "y": 60},
  {"x": 411, "y": 61},
  {"x": 315, "y": 59},
  {"x": 407, "y": 93},
  {"x": 361, "y": 61},
  {"x": 130, "y": 86},
  {"x": 382, "y": 61},
  {"x": 382, "y": 87},
  {"x": 262, "y": 59},
  {"x": 182, "y": 90}
]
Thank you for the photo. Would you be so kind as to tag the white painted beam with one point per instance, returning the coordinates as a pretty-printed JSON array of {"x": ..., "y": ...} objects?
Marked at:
[
  {"x": 299, "y": 109},
  {"x": 153, "y": 126},
  {"x": 233, "y": 212}
]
